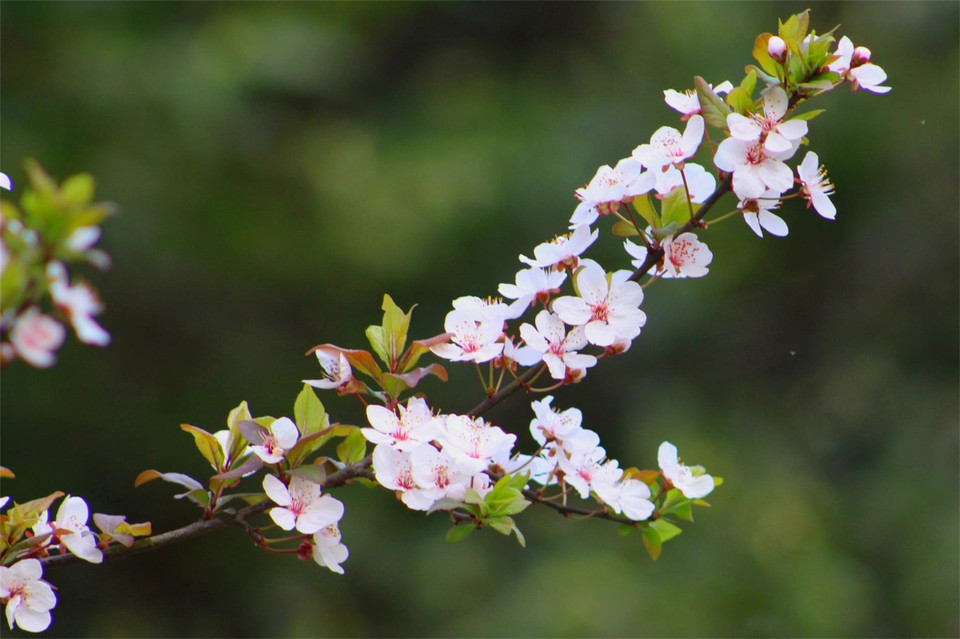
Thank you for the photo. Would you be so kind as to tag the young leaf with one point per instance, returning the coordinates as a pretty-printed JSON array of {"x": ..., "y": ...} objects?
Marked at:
[
  {"x": 665, "y": 530},
  {"x": 352, "y": 448},
  {"x": 207, "y": 444},
  {"x": 622, "y": 228},
  {"x": 712, "y": 108},
  {"x": 459, "y": 533},
  {"x": 644, "y": 208},
  {"x": 651, "y": 541},
  {"x": 675, "y": 207},
  {"x": 308, "y": 412},
  {"x": 809, "y": 115},
  {"x": 740, "y": 101},
  {"x": 762, "y": 55}
]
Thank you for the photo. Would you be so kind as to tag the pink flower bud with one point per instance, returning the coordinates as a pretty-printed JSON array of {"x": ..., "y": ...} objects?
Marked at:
[
  {"x": 777, "y": 48},
  {"x": 861, "y": 55}
]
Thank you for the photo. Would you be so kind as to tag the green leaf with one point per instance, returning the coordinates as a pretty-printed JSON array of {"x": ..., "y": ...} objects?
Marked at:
[
  {"x": 809, "y": 115},
  {"x": 505, "y": 526},
  {"x": 643, "y": 205},
  {"x": 207, "y": 444},
  {"x": 622, "y": 228},
  {"x": 78, "y": 190},
  {"x": 313, "y": 472},
  {"x": 712, "y": 108},
  {"x": 30, "y": 511},
  {"x": 353, "y": 447},
  {"x": 740, "y": 101},
  {"x": 174, "y": 478},
  {"x": 649, "y": 477},
  {"x": 651, "y": 541},
  {"x": 305, "y": 446},
  {"x": 762, "y": 55},
  {"x": 237, "y": 443},
  {"x": 794, "y": 30},
  {"x": 308, "y": 412},
  {"x": 459, "y": 533},
  {"x": 749, "y": 82},
  {"x": 665, "y": 530},
  {"x": 390, "y": 339},
  {"x": 675, "y": 207}
]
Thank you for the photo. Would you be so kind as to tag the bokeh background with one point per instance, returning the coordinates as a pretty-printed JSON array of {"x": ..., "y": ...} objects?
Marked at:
[{"x": 280, "y": 166}]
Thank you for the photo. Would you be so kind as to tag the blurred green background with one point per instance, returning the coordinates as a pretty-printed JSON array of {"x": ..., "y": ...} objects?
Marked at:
[{"x": 280, "y": 166}]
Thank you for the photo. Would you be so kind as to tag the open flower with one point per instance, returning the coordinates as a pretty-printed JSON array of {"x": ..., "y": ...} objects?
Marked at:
[
  {"x": 816, "y": 188},
  {"x": 474, "y": 443},
  {"x": 79, "y": 303},
  {"x": 563, "y": 251},
  {"x": 759, "y": 216},
  {"x": 415, "y": 425},
  {"x": 607, "y": 310},
  {"x": 281, "y": 436},
  {"x": 853, "y": 65},
  {"x": 688, "y": 102},
  {"x": 755, "y": 168},
  {"x": 683, "y": 256},
  {"x": 778, "y": 136},
  {"x": 473, "y": 336},
  {"x": 668, "y": 146},
  {"x": 328, "y": 550},
  {"x": 28, "y": 598},
  {"x": 72, "y": 531},
  {"x": 557, "y": 348},
  {"x": 36, "y": 337},
  {"x": 301, "y": 506},
  {"x": 532, "y": 284},
  {"x": 337, "y": 372},
  {"x": 610, "y": 188},
  {"x": 681, "y": 476}
]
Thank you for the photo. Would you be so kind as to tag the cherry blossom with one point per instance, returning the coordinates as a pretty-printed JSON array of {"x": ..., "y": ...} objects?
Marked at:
[
  {"x": 5, "y": 182},
  {"x": 437, "y": 473},
  {"x": 414, "y": 426},
  {"x": 301, "y": 505},
  {"x": 282, "y": 435},
  {"x": 557, "y": 348},
  {"x": 28, "y": 598},
  {"x": 562, "y": 428},
  {"x": 632, "y": 500},
  {"x": 337, "y": 372},
  {"x": 474, "y": 443},
  {"x": 610, "y": 188},
  {"x": 759, "y": 216},
  {"x": 579, "y": 470},
  {"x": 683, "y": 256},
  {"x": 755, "y": 169},
  {"x": 328, "y": 550},
  {"x": 668, "y": 146},
  {"x": 607, "y": 310},
  {"x": 79, "y": 303},
  {"x": 109, "y": 526},
  {"x": 700, "y": 183},
  {"x": 71, "y": 530},
  {"x": 687, "y": 102},
  {"x": 36, "y": 337},
  {"x": 778, "y": 136},
  {"x": 777, "y": 48},
  {"x": 563, "y": 251},
  {"x": 681, "y": 476},
  {"x": 853, "y": 64},
  {"x": 474, "y": 335},
  {"x": 492, "y": 309},
  {"x": 816, "y": 188},
  {"x": 532, "y": 285}
]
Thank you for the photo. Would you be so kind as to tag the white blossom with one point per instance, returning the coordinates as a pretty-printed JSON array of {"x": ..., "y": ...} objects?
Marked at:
[
  {"x": 79, "y": 303},
  {"x": 607, "y": 310},
  {"x": 337, "y": 372},
  {"x": 281, "y": 436},
  {"x": 532, "y": 284},
  {"x": 563, "y": 251},
  {"x": 755, "y": 169},
  {"x": 328, "y": 550},
  {"x": 28, "y": 598},
  {"x": 688, "y": 102},
  {"x": 668, "y": 146},
  {"x": 557, "y": 348},
  {"x": 778, "y": 136},
  {"x": 853, "y": 64},
  {"x": 79, "y": 539},
  {"x": 301, "y": 505},
  {"x": 610, "y": 188},
  {"x": 683, "y": 256},
  {"x": 759, "y": 216},
  {"x": 816, "y": 188},
  {"x": 36, "y": 337},
  {"x": 681, "y": 476},
  {"x": 413, "y": 426}
]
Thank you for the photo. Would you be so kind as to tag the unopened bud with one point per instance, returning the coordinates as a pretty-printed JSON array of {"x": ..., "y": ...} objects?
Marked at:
[
  {"x": 777, "y": 48},
  {"x": 305, "y": 551},
  {"x": 861, "y": 55}
]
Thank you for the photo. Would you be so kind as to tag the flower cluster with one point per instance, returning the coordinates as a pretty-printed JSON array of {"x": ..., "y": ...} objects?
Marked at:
[
  {"x": 52, "y": 227},
  {"x": 27, "y": 534}
]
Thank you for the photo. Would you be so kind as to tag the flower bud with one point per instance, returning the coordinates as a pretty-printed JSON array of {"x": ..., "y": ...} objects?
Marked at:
[
  {"x": 777, "y": 48},
  {"x": 861, "y": 55}
]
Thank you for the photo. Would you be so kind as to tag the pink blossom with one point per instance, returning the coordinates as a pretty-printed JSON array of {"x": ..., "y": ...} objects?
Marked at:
[{"x": 36, "y": 337}]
